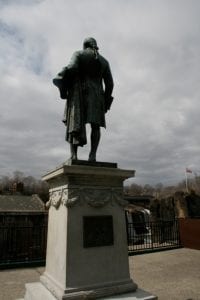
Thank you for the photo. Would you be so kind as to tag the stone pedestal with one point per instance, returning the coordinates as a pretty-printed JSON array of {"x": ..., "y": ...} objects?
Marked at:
[{"x": 87, "y": 255}]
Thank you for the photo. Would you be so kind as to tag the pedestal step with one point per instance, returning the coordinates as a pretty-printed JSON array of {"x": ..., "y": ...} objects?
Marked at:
[
  {"x": 137, "y": 295},
  {"x": 37, "y": 291}
]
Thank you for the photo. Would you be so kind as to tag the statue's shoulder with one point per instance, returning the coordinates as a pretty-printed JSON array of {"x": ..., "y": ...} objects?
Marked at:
[
  {"x": 104, "y": 61},
  {"x": 102, "y": 58},
  {"x": 77, "y": 54}
]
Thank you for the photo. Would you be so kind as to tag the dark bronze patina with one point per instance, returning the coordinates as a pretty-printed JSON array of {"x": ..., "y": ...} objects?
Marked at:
[
  {"x": 97, "y": 231},
  {"x": 87, "y": 85}
]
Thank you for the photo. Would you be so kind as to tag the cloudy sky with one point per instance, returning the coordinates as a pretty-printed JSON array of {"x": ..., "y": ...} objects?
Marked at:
[{"x": 153, "y": 47}]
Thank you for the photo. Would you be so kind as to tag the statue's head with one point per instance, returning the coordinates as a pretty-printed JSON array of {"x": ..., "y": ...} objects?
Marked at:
[{"x": 90, "y": 43}]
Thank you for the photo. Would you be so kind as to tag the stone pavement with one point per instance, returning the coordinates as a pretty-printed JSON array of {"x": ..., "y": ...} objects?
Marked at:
[{"x": 171, "y": 275}]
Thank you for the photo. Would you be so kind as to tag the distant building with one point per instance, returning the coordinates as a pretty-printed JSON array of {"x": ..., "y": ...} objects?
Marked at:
[
  {"x": 23, "y": 224},
  {"x": 137, "y": 211},
  {"x": 141, "y": 201},
  {"x": 21, "y": 203},
  {"x": 16, "y": 187},
  {"x": 18, "y": 209}
]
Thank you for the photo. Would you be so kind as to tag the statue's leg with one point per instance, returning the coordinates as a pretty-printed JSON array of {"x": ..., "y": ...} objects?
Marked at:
[
  {"x": 73, "y": 149},
  {"x": 95, "y": 138}
]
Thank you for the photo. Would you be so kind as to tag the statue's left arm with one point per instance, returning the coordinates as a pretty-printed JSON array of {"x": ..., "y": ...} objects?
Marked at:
[{"x": 109, "y": 84}]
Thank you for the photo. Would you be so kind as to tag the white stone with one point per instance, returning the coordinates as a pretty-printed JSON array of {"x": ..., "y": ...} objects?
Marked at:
[
  {"x": 37, "y": 291},
  {"x": 72, "y": 270},
  {"x": 137, "y": 295}
]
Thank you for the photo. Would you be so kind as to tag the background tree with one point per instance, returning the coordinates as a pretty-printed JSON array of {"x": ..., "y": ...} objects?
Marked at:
[{"x": 26, "y": 185}]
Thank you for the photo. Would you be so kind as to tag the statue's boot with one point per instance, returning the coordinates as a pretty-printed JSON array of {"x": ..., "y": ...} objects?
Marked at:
[
  {"x": 95, "y": 138},
  {"x": 73, "y": 149},
  {"x": 92, "y": 157}
]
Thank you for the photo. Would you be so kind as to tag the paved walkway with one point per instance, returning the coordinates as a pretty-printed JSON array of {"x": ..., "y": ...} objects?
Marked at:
[{"x": 171, "y": 275}]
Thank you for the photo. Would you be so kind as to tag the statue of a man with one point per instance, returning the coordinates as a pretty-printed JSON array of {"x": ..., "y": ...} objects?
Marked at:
[{"x": 87, "y": 84}]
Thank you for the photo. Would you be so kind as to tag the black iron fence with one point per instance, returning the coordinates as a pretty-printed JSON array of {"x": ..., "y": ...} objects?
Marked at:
[
  {"x": 22, "y": 243},
  {"x": 152, "y": 236}
]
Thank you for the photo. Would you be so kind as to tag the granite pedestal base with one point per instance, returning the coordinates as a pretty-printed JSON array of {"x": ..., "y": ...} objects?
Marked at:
[
  {"x": 38, "y": 291},
  {"x": 87, "y": 255}
]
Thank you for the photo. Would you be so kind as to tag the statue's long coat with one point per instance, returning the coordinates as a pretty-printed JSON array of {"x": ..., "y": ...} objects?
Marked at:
[{"x": 87, "y": 98}]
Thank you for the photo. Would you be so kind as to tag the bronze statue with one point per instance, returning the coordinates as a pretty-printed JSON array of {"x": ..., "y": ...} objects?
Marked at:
[{"x": 87, "y": 84}]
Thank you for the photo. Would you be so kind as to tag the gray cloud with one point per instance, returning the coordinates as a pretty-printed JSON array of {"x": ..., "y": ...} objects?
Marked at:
[{"x": 153, "y": 48}]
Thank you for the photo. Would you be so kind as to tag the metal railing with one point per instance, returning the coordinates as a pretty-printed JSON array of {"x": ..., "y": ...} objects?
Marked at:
[
  {"x": 152, "y": 236},
  {"x": 22, "y": 244},
  {"x": 25, "y": 243}
]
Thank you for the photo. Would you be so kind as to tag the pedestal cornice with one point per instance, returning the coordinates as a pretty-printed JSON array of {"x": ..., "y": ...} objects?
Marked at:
[{"x": 86, "y": 170}]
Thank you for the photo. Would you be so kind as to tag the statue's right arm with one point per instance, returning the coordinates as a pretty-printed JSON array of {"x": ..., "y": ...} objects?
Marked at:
[
  {"x": 63, "y": 72},
  {"x": 61, "y": 82},
  {"x": 66, "y": 75},
  {"x": 73, "y": 65}
]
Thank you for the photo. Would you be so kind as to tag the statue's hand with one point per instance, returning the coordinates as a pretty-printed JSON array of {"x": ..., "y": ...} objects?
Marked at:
[
  {"x": 108, "y": 103},
  {"x": 59, "y": 83}
]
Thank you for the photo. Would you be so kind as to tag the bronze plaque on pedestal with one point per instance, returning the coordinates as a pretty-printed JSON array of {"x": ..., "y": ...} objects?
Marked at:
[{"x": 97, "y": 231}]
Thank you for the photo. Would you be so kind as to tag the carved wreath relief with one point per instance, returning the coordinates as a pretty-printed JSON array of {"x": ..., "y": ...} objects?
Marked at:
[{"x": 95, "y": 197}]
